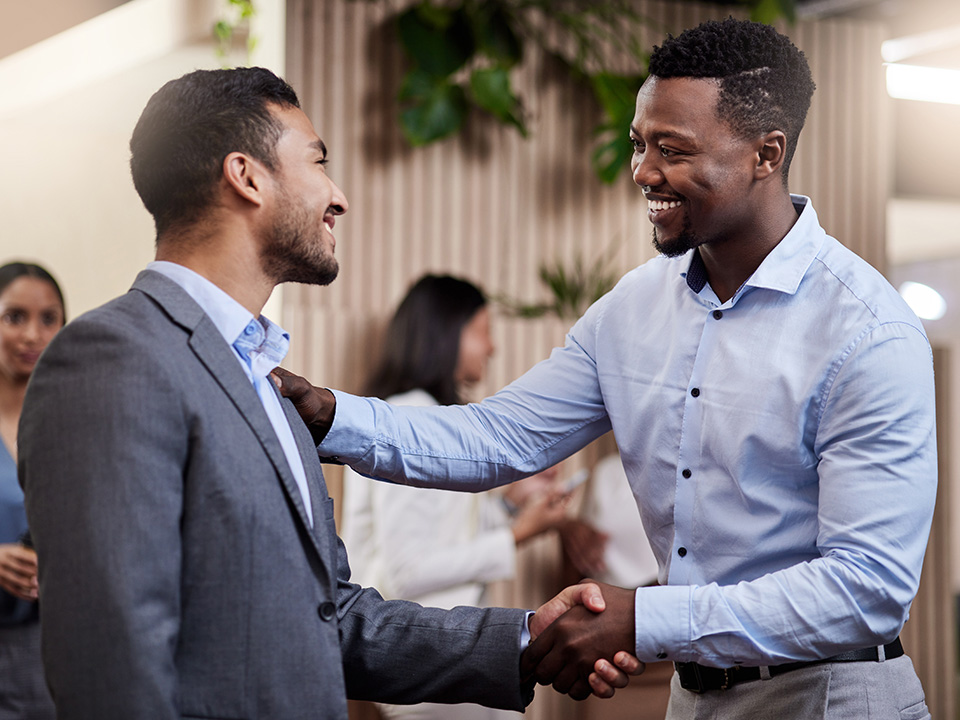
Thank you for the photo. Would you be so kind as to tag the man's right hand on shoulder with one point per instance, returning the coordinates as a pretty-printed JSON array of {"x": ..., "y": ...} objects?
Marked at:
[{"x": 317, "y": 406}]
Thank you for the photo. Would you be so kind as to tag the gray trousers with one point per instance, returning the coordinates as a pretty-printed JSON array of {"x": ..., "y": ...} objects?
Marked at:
[{"x": 887, "y": 690}]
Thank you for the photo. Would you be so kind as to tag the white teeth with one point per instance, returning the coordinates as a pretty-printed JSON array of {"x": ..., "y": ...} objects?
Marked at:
[{"x": 661, "y": 205}]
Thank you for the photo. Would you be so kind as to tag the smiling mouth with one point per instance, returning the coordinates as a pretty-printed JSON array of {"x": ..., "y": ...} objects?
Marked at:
[{"x": 657, "y": 205}]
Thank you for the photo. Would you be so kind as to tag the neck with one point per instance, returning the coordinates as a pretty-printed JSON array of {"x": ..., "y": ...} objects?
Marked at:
[
  {"x": 731, "y": 261},
  {"x": 227, "y": 259}
]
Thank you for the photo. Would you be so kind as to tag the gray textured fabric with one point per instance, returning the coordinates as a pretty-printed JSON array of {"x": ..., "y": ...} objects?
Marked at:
[
  {"x": 179, "y": 576},
  {"x": 23, "y": 691},
  {"x": 835, "y": 691}
]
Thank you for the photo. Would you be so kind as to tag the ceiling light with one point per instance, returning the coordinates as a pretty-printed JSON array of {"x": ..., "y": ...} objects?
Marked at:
[
  {"x": 926, "y": 302},
  {"x": 914, "y": 82}
]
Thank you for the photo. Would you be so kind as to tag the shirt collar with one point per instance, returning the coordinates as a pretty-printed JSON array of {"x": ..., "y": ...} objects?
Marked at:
[
  {"x": 252, "y": 337},
  {"x": 784, "y": 267}
]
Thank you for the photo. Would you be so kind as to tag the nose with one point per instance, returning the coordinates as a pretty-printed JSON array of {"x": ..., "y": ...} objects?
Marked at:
[
  {"x": 32, "y": 331},
  {"x": 645, "y": 171},
  {"x": 339, "y": 205}
]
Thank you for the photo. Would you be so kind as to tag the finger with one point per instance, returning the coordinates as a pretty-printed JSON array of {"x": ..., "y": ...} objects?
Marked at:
[
  {"x": 600, "y": 687},
  {"x": 610, "y": 674},
  {"x": 628, "y": 663},
  {"x": 591, "y": 597},
  {"x": 534, "y": 654},
  {"x": 24, "y": 558},
  {"x": 580, "y": 690},
  {"x": 567, "y": 679}
]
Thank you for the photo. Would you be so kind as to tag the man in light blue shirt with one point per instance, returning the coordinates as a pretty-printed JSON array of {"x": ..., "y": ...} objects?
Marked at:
[{"x": 772, "y": 399}]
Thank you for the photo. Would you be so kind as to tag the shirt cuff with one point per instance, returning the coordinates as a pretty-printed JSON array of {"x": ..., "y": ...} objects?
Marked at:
[
  {"x": 346, "y": 433},
  {"x": 525, "y": 631},
  {"x": 662, "y": 616}
]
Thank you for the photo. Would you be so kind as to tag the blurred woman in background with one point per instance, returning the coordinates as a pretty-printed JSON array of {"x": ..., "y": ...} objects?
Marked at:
[
  {"x": 437, "y": 547},
  {"x": 31, "y": 313}
]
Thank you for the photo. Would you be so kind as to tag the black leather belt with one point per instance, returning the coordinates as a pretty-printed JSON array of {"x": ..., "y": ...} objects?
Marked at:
[{"x": 700, "y": 678}]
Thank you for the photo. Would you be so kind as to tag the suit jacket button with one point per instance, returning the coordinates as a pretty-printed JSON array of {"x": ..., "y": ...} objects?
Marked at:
[{"x": 327, "y": 611}]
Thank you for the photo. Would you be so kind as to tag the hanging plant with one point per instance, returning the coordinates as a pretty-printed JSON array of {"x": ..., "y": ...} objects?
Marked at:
[
  {"x": 235, "y": 21},
  {"x": 461, "y": 54}
]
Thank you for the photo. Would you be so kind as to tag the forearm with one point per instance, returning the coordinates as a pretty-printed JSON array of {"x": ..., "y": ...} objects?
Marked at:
[
  {"x": 447, "y": 656},
  {"x": 551, "y": 412}
]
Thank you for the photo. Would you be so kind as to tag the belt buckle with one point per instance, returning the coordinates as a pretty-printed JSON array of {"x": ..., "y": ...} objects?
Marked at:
[
  {"x": 689, "y": 674},
  {"x": 691, "y": 678}
]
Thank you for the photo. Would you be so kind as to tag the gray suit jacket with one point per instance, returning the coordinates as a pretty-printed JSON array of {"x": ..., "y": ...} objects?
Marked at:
[{"x": 179, "y": 576}]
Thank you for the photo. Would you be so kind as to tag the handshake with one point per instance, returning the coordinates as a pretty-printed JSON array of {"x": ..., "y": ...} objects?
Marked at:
[{"x": 582, "y": 641}]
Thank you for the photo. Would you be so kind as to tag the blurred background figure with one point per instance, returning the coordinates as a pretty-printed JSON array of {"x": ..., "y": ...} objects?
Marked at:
[
  {"x": 437, "y": 547},
  {"x": 31, "y": 312}
]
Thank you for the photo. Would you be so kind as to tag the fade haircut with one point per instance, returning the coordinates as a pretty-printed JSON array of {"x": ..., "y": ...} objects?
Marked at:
[
  {"x": 190, "y": 125},
  {"x": 764, "y": 80}
]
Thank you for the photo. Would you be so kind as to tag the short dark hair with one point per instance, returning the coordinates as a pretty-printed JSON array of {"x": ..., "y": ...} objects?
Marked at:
[
  {"x": 765, "y": 82},
  {"x": 190, "y": 125},
  {"x": 16, "y": 270},
  {"x": 422, "y": 343}
]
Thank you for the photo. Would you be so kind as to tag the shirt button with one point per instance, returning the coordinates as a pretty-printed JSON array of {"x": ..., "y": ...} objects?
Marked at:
[
  {"x": 695, "y": 392},
  {"x": 249, "y": 329},
  {"x": 682, "y": 552},
  {"x": 661, "y": 655},
  {"x": 717, "y": 314},
  {"x": 326, "y": 611},
  {"x": 686, "y": 473}
]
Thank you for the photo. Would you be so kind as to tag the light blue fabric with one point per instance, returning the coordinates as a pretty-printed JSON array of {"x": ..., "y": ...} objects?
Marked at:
[
  {"x": 781, "y": 446},
  {"x": 13, "y": 524},
  {"x": 260, "y": 345}
]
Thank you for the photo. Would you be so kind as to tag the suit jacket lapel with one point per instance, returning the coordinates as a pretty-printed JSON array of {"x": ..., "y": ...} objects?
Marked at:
[
  {"x": 323, "y": 532},
  {"x": 217, "y": 356}
]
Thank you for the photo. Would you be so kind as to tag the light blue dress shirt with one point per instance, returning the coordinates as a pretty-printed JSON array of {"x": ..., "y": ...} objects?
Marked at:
[
  {"x": 781, "y": 446},
  {"x": 259, "y": 345}
]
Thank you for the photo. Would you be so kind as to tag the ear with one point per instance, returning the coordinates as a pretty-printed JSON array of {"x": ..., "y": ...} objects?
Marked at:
[
  {"x": 245, "y": 177},
  {"x": 771, "y": 153}
]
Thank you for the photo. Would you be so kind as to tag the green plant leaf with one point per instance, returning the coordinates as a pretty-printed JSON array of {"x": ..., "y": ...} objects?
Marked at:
[
  {"x": 494, "y": 33},
  {"x": 617, "y": 96},
  {"x": 438, "y": 41},
  {"x": 222, "y": 31},
  {"x": 490, "y": 90},
  {"x": 433, "y": 108}
]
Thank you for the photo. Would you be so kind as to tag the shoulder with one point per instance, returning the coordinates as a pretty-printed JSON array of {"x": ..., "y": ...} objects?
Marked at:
[{"x": 841, "y": 276}]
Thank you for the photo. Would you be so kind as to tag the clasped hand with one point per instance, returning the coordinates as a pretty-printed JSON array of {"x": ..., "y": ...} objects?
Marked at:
[{"x": 580, "y": 641}]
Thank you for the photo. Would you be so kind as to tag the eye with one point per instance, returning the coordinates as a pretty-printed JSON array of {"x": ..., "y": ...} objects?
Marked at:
[
  {"x": 51, "y": 319},
  {"x": 638, "y": 146},
  {"x": 12, "y": 317},
  {"x": 666, "y": 152}
]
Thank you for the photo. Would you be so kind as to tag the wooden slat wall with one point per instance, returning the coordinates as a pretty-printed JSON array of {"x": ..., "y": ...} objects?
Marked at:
[
  {"x": 492, "y": 206},
  {"x": 930, "y": 635}
]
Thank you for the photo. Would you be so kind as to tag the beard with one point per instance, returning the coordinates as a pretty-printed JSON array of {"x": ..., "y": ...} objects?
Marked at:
[
  {"x": 296, "y": 251},
  {"x": 685, "y": 241}
]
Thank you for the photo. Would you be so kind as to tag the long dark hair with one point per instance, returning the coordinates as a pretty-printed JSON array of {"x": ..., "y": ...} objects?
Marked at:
[
  {"x": 16, "y": 270},
  {"x": 422, "y": 342}
]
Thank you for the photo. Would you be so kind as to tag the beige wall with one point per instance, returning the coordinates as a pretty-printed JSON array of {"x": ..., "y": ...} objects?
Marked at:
[{"x": 66, "y": 197}]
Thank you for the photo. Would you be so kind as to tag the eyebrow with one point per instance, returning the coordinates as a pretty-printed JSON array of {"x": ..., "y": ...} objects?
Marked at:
[
  {"x": 664, "y": 134},
  {"x": 319, "y": 146}
]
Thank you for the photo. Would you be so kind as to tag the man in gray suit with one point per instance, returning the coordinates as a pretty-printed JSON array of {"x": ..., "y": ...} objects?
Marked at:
[{"x": 189, "y": 565}]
